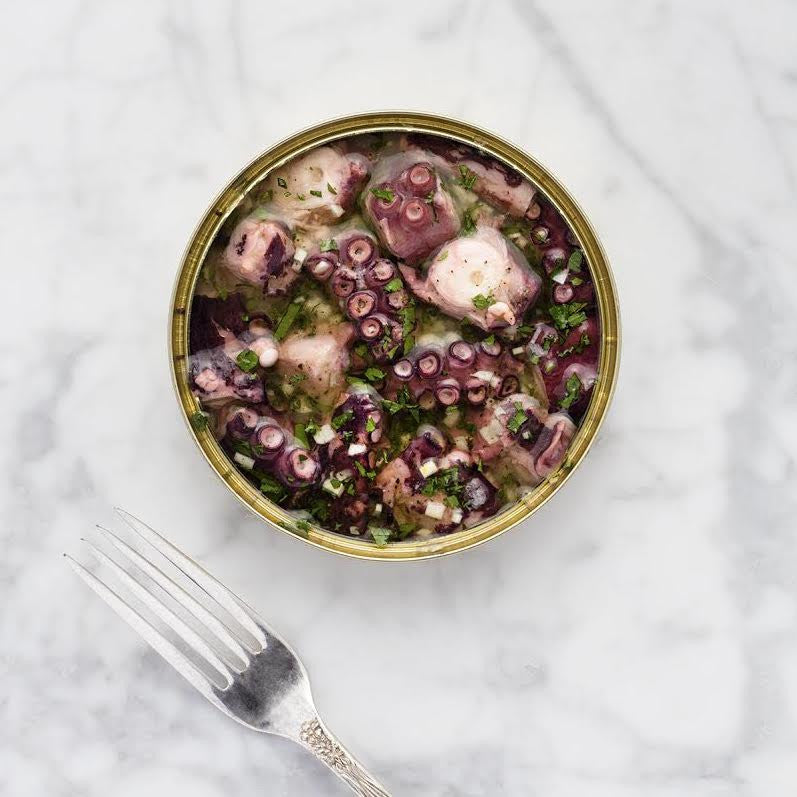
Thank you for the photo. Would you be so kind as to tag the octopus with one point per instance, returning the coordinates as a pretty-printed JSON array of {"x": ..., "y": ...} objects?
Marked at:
[
  {"x": 483, "y": 277},
  {"x": 398, "y": 338}
]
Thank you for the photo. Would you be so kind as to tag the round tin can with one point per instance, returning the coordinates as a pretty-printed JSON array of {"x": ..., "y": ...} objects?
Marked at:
[{"x": 392, "y": 122}]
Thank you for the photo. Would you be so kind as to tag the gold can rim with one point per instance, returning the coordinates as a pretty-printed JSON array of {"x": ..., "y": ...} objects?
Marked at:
[{"x": 381, "y": 122}]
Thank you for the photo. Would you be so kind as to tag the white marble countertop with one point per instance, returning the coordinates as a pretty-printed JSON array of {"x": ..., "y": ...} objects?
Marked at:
[{"x": 638, "y": 637}]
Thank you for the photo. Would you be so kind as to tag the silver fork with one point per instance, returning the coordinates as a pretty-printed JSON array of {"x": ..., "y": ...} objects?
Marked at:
[{"x": 248, "y": 672}]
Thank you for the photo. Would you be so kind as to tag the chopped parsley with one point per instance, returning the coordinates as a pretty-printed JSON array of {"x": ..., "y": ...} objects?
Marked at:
[
  {"x": 572, "y": 391},
  {"x": 271, "y": 488},
  {"x": 316, "y": 193},
  {"x": 287, "y": 320},
  {"x": 518, "y": 419},
  {"x": 467, "y": 178},
  {"x": 199, "y": 420},
  {"x": 574, "y": 261},
  {"x": 297, "y": 377},
  {"x": 302, "y": 525},
  {"x": 567, "y": 316},
  {"x": 328, "y": 245},
  {"x": 281, "y": 182},
  {"x": 300, "y": 432},
  {"x": 582, "y": 344},
  {"x": 374, "y": 374},
  {"x": 394, "y": 285},
  {"x": 489, "y": 340},
  {"x": 302, "y": 197},
  {"x": 442, "y": 256},
  {"x": 363, "y": 471},
  {"x": 247, "y": 360},
  {"x": 405, "y": 529},
  {"x": 380, "y": 535},
  {"x": 385, "y": 194},
  {"x": 468, "y": 222},
  {"x": 331, "y": 189},
  {"x": 342, "y": 419},
  {"x": 482, "y": 302},
  {"x": 444, "y": 481},
  {"x": 370, "y": 425},
  {"x": 452, "y": 501}
]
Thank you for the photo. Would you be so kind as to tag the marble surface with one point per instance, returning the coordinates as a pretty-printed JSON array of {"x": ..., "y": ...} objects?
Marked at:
[{"x": 637, "y": 638}]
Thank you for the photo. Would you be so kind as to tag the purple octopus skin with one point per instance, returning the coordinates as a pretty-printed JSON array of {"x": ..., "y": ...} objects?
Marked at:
[
  {"x": 368, "y": 288},
  {"x": 359, "y": 422},
  {"x": 215, "y": 375},
  {"x": 493, "y": 181},
  {"x": 274, "y": 450},
  {"x": 445, "y": 373},
  {"x": 408, "y": 206},
  {"x": 260, "y": 252},
  {"x": 320, "y": 187},
  {"x": 483, "y": 277},
  {"x": 209, "y": 315},
  {"x": 560, "y": 359},
  {"x": 532, "y": 448},
  {"x": 402, "y": 484}
]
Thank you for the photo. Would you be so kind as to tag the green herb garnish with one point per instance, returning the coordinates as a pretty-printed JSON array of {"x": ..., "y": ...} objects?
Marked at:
[
  {"x": 489, "y": 340},
  {"x": 468, "y": 222},
  {"x": 297, "y": 377},
  {"x": 385, "y": 194},
  {"x": 380, "y": 535},
  {"x": 199, "y": 420},
  {"x": 567, "y": 316},
  {"x": 300, "y": 432},
  {"x": 572, "y": 391},
  {"x": 370, "y": 425},
  {"x": 374, "y": 374},
  {"x": 342, "y": 419},
  {"x": 574, "y": 261},
  {"x": 467, "y": 178},
  {"x": 331, "y": 189},
  {"x": 288, "y": 318},
  {"x": 302, "y": 197},
  {"x": 482, "y": 302},
  {"x": 281, "y": 183},
  {"x": 394, "y": 285},
  {"x": 316, "y": 193},
  {"x": 518, "y": 419},
  {"x": 271, "y": 488},
  {"x": 328, "y": 245},
  {"x": 247, "y": 360}
]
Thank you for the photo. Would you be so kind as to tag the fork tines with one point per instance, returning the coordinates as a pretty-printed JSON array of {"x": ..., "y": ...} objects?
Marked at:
[{"x": 221, "y": 632}]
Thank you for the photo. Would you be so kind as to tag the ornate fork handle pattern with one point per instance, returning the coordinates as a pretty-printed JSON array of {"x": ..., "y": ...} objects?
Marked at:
[{"x": 325, "y": 747}]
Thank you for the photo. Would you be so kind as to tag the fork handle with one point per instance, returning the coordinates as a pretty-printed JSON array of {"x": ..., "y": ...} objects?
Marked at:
[{"x": 324, "y": 746}]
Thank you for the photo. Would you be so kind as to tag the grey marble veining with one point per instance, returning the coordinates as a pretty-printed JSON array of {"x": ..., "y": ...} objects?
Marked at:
[{"x": 637, "y": 637}]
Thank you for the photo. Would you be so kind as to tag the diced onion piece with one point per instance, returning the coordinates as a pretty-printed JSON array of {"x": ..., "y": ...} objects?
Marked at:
[
  {"x": 435, "y": 509},
  {"x": 299, "y": 256},
  {"x": 357, "y": 448},
  {"x": 330, "y": 488},
  {"x": 354, "y": 530},
  {"x": 324, "y": 435},
  {"x": 378, "y": 509},
  {"x": 245, "y": 462},
  {"x": 518, "y": 350},
  {"x": 485, "y": 376},
  {"x": 560, "y": 276},
  {"x": 461, "y": 443},
  {"x": 456, "y": 516},
  {"x": 428, "y": 468},
  {"x": 451, "y": 418},
  {"x": 343, "y": 475},
  {"x": 492, "y": 432},
  {"x": 336, "y": 210}
]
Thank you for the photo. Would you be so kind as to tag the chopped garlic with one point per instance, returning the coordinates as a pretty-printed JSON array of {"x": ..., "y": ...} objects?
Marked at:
[
  {"x": 428, "y": 468},
  {"x": 324, "y": 435},
  {"x": 456, "y": 516},
  {"x": 357, "y": 448},
  {"x": 330, "y": 488},
  {"x": 244, "y": 461},
  {"x": 435, "y": 509}
]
